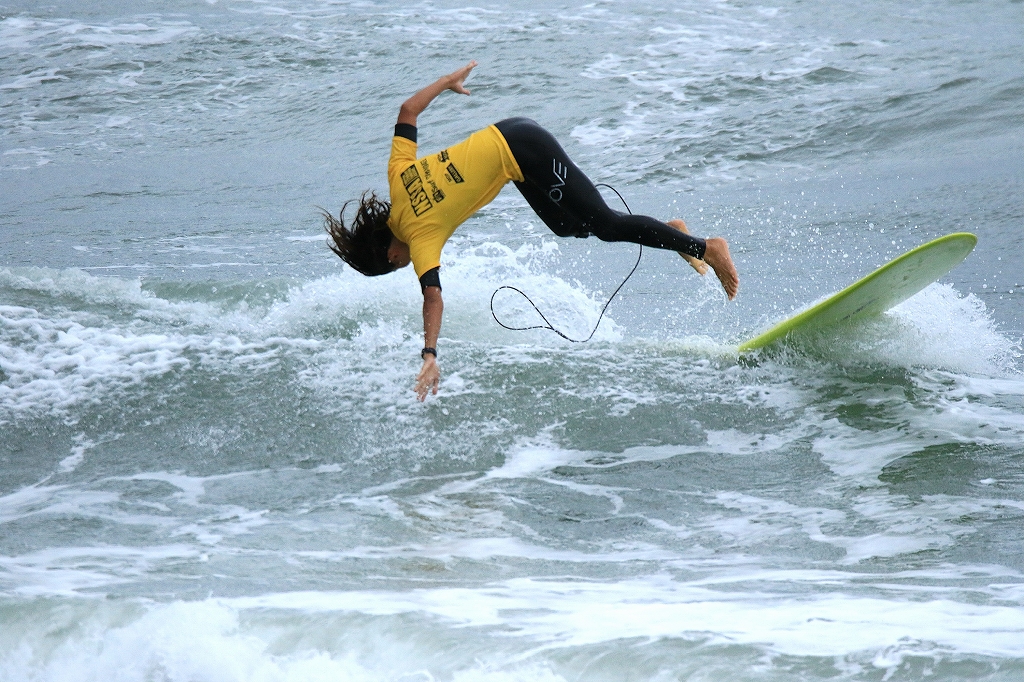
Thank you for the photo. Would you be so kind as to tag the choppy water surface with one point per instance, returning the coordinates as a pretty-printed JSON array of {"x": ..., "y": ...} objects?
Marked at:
[{"x": 211, "y": 463}]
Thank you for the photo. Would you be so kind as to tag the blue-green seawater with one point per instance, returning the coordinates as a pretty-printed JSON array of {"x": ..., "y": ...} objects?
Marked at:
[{"x": 212, "y": 465}]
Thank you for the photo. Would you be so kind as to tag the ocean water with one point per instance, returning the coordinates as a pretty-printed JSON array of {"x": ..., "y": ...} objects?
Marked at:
[{"x": 212, "y": 465}]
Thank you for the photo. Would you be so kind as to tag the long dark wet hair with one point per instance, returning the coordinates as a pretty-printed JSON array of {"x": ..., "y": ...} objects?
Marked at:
[{"x": 363, "y": 245}]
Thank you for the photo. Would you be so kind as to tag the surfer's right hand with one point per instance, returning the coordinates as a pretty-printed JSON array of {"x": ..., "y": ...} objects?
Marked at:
[{"x": 428, "y": 379}]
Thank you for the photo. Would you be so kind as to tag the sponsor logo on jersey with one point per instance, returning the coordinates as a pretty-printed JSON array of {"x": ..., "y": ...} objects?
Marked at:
[
  {"x": 453, "y": 174},
  {"x": 417, "y": 194}
]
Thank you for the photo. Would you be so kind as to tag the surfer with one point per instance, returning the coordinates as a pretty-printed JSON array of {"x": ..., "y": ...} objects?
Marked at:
[{"x": 432, "y": 195}]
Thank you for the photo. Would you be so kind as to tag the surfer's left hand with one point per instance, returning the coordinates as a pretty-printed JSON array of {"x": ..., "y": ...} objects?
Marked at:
[{"x": 457, "y": 78}]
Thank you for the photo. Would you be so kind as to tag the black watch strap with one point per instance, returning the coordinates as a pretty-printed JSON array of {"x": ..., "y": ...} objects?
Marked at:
[{"x": 428, "y": 349}]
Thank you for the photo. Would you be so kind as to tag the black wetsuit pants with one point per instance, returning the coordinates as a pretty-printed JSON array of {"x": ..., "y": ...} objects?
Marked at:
[{"x": 567, "y": 201}]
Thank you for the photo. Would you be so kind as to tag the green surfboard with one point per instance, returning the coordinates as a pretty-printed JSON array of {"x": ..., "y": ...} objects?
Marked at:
[{"x": 889, "y": 285}]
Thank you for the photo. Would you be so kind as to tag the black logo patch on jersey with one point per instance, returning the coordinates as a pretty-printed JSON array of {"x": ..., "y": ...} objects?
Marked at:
[
  {"x": 453, "y": 174},
  {"x": 417, "y": 195},
  {"x": 443, "y": 156}
]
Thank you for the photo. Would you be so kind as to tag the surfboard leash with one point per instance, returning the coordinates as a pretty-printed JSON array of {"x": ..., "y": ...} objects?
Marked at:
[{"x": 547, "y": 324}]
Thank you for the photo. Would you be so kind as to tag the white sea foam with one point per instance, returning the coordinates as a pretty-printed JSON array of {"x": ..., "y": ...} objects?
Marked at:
[
  {"x": 918, "y": 333},
  {"x": 56, "y": 360},
  {"x": 33, "y": 79},
  {"x": 58, "y": 363},
  {"x": 399, "y": 634},
  {"x": 77, "y": 285},
  {"x": 540, "y": 456},
  {"x": 906, "y": 527},
  {"x": 67, "y": 571},
  {"x": 189, "y": 523},
  {"x": 483, "y": 548},
  {"x": 926, "y": 337},
  {"x": 18, "y": 33},
  {"x": 212, "y": 642},
  {"x": 477, "y": 271},
  {"x": 40, "y": 157},
  {"x": 177, "y": 642},
  {"x": 572, "y": 614},
  {"x": 851, "y": 452},
  {"x": 71, "y": 462},
  {"x": 946, "y": 416},
  {"x": 692, "y": 80},
  {"x": 890, "y": 525},
  {"x": 762, "y": 519}
]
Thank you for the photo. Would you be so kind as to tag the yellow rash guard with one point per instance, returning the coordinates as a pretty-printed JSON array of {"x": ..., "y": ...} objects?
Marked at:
[{"x": 433, "y": 195}]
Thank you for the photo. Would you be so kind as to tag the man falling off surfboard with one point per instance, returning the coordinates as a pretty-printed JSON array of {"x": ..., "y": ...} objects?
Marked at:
[{"x": 432, "y": 195}]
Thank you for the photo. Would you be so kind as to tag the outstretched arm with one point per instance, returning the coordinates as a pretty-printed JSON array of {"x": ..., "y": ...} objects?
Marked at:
[
  {"x": 415, "y": 105},
  {"x": 430, "y": 374}
]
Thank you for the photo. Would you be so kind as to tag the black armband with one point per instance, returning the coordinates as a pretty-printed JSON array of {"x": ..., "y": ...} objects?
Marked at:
[
  {"x": 430, "y": 278},
  {"x": 406, "y": 130}
]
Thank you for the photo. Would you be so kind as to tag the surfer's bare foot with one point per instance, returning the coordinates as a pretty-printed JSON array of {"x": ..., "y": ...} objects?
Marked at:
[
  {"x": 717, "y": 256},
  {"x": 697, "y": 264}
]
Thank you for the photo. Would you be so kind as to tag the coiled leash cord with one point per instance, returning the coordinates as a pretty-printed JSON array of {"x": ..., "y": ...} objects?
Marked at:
[{"x": 547, "y": 324}]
